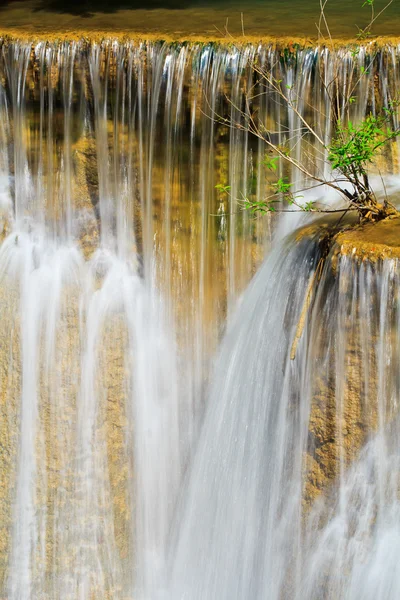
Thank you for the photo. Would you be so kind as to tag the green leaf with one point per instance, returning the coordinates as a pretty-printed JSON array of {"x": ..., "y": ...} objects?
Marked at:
[
  {"x": 223, "y": 188},
  {"x": 270, "y": 163},
  {"x": 308, "y": 206}
]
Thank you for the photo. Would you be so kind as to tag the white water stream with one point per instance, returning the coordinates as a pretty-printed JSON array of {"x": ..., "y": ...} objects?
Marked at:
[
  {"x": 243, "y": 530},
  {"x": 120, "y": 266}
]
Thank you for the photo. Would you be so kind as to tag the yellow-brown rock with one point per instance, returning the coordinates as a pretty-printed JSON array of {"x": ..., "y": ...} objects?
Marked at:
[{"x": 344, "y": 405}]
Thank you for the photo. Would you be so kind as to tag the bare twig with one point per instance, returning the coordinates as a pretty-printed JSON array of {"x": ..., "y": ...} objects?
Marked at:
[{"x": 305, "y": 144}]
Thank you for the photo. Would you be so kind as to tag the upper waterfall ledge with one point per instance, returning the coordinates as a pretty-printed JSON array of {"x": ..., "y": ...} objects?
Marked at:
[{"x": 282, "y": 43}]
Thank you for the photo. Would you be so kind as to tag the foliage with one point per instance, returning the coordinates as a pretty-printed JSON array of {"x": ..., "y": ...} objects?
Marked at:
[{"x": 353, "y": 148}]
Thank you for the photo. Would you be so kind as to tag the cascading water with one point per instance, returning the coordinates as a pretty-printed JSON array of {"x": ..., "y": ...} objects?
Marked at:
[
  {"x": 120, "y": 264},
  {"x": 84, "y": 342},
  {"x": 240, "y": 524},
  {"x": 272, "y": 509}
]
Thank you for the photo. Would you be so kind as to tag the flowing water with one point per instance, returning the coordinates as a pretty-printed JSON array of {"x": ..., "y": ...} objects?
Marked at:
[
  {"x": 259, "y": 517},
  {"x": 121, "y": 266}
]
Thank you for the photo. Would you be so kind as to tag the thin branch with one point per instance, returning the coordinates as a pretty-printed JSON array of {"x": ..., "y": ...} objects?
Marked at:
[
  {"x": 291, "y": 105},
  {"x": 322, "y": 4},
  {"x": 374, "y": 18}
]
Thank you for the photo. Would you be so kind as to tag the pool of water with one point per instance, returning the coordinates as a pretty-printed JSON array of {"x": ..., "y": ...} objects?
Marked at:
[{"x": 198, "y": 19}]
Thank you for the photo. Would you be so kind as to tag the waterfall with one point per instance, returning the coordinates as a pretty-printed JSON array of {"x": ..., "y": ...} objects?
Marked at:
[
  {"x": 122, "y": 267},
  {"x": 84, "y": 342},
  {"x": 281, "y": 501},
  {"x": 240, "y": 523}
]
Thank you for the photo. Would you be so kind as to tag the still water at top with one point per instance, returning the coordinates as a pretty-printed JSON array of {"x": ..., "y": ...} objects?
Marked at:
[{"x": 200, "y": 19}]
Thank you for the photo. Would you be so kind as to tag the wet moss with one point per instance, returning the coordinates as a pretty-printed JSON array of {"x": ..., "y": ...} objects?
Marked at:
[{"x": 371, "y": 241}]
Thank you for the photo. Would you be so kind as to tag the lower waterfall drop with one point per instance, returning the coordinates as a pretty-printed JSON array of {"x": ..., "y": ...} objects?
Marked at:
[
  {"x": 87, "y": 461},
  {"x": 293, "y": 493}
]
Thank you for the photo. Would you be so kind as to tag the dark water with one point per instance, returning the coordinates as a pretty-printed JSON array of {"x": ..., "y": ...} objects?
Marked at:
[{"x": 295, "y": 18}]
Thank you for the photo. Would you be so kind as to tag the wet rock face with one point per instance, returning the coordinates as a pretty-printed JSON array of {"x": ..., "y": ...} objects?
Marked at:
[
  {"x": 85, "y": 194},
  {"x": 353, "y": 324},
  {"x": 68, "y": 539},
  {"x": 342, "y": 417},
  {"x": 10, "y": 388},
  {"x": 371, "y": 241}
]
